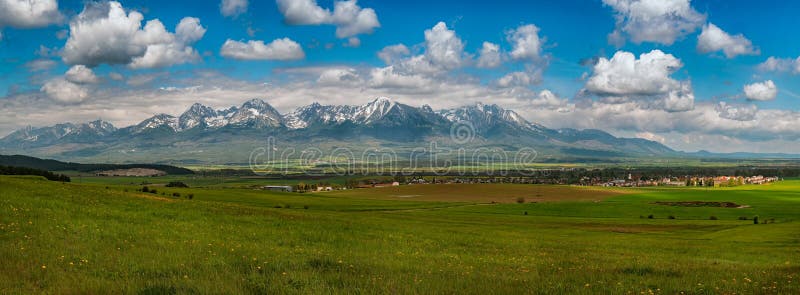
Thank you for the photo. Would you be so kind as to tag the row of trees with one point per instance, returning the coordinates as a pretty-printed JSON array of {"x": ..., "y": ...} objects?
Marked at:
[{"x": 13, "y": 170}]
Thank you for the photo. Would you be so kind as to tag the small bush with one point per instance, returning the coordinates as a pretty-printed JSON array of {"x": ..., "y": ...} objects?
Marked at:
[
  {"x": 743, "y": 218},
  {"x": 176, "y": 184},
  {"x": 520, "y": 200},
  {"x": 177, "y": 195},
  {"x": 277, "y": 206},
  {"x": 755, "y": 220},
  {"x": 305, "y": 207},
  {"x": 650, "y": 216},
  {"x": 190, "y": 196},
  {"x": 125, "y": 190},
  {"x": 671, "y": 217},
  {"x": 145, "y": 189},
  {"x": 713, "y": 218},
  {"x": 526, "y": 213},
  {"x": 153, "y": 191}
]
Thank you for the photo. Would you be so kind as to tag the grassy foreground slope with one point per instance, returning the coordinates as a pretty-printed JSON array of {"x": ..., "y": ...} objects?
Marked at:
[{"x": 81, "y": 238}]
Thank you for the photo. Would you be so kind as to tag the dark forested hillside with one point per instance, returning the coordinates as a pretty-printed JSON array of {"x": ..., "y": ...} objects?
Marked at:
[
  {"x": 10, "y": 170},
  {"x": 53, "y": 165}
]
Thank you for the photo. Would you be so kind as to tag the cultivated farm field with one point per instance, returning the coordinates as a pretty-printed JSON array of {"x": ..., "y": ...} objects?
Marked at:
[{"x": 99, "y": 238}]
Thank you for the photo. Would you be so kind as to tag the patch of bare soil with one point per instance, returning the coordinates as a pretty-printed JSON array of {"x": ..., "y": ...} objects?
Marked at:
[{"x": 701, "y": 204}]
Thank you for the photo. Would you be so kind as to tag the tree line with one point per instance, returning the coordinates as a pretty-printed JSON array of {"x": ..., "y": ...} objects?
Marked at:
[{"x": 13, "y": 170}]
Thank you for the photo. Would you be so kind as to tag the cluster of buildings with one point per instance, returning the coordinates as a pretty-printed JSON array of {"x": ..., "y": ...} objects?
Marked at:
[{"x": 701, "y": 181}]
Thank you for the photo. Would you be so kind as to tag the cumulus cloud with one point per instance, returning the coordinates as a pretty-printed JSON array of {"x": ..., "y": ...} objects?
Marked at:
[
  {"x": 444, "y": 51},
  {"x": 489, "y": 56},
  {"x": 526, "y": 42},
  {"x": 393, "y": 53},
  {"x": 624, "y": 77},
  {"x": 714, "y": 39},
  {"x": 339, "y": 77},
  {"x": 104, "y": 33},
  {"x": 80, "y": 74},
  {"x": 29, "y": 13},
  {"x": 65, "y": 91},
  {"x": 517, "y": 79},
  {"x": 279, "y": 49},
  {"x": 761, "y": 91},
  {"x": 775, "y": 64},
  {"x": 349, "y": 18},
  {"x": 546, "y": 99},
  {"x": 189, "y": 30},
  {"x": 737, "y": 112},
  {"x": 657, "y": 21},
  {"x": 232, "y": 8},
  {"x": 443, "y": 48}
]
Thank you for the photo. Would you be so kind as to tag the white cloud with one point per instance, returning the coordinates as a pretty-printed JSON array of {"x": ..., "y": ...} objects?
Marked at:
[
  {"x": 714, "y": 39},
  {"x": 657, "y": 21},
  {"x": 546, "y": 99},
  {"x": 443, "y": 48},
  {"x": 116, "y": 76},
  {"x": 737, "y": 112},
  {"x": 774, "y": 64},
  {"x": 104, "y": 33},
  {"x": 80, "y": 74},
  {"x": 339, "y": 77},
  {"x": 526, "y": 42},
  {"x": 624, "y": 74},
  {"x": 517, "y": 79},
  {"x": 624, "y": 77},
  {"x": 189, "y": 30},
  {"x": 303, "y": 12},
  {"x": 29, "y": 13},
  {"x": 393, "y": 53},
  {"x": 443, "y": 52},
  {"x": 232, "y": 8},
  {"x": 353, "y": 42},
  {"x": 279, "y": 49},
  {"x": 349, "y": 18},
  {"x": 40, "y": 64},
  {"x": 489, "y": 56},
  {"x": 65, "y": 91},
  {"x": 761, "y": 91},
  {"x": 389, "y": 77}
]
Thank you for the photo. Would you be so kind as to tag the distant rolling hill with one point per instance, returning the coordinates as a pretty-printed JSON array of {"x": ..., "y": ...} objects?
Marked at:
[{"x": 53, "y": 165}]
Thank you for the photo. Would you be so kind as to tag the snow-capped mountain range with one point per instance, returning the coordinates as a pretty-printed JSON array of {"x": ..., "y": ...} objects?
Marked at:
[{"x": 381, "y": 119}]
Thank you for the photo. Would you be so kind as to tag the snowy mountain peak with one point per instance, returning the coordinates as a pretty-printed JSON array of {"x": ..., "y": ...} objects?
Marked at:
[
  {"x": 100, "y": 126},
  {"x": 195, "y": 115},
  {"x": 374, "y": 110},
  {"x": 255, "y": 113},
  {"x": 156, "y": 122}
]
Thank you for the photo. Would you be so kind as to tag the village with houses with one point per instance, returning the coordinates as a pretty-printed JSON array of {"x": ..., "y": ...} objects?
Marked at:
[
  {"x": 718, "y": 181},
  {"x": 630, "y": 180}
]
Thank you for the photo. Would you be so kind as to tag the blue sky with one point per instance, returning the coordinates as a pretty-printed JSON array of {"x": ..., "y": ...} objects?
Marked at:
[{"x": 690, "y": 97}]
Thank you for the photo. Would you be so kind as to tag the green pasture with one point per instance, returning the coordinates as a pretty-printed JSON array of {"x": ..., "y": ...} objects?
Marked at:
[{"x": 104, "y": 237}]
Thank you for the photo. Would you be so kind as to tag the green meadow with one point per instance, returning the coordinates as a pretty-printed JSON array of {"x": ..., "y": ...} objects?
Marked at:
[{"x": 102, "y": 236}]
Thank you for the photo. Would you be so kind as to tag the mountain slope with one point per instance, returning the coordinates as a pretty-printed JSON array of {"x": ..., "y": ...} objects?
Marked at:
[{"x": 206, "y": 135}]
